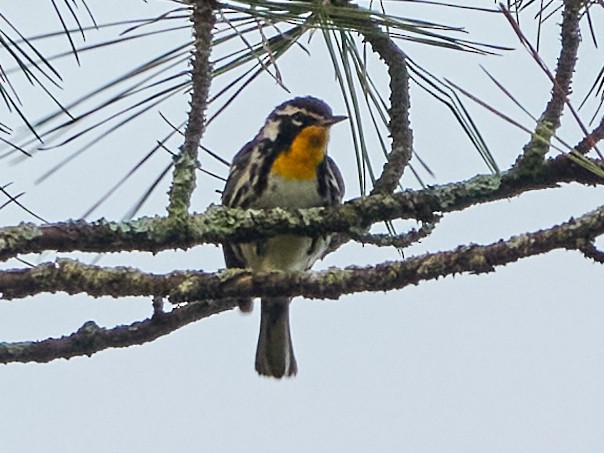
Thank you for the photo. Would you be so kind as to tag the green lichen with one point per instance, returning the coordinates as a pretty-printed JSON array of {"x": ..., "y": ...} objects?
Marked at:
[
  {"x": 12, "y": 239},
  {"x": 433, "y": 265},
  {"x": 533, "y": 157},
  {"x": 469, "y": 192},
  {"x": 183, "y": 184},
  {"x": 478, "y": 262},
  {"x": 24, "y": 232}
]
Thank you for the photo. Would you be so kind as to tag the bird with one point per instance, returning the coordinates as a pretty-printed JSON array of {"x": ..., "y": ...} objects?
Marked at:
[{"x": 284, "y": 166}]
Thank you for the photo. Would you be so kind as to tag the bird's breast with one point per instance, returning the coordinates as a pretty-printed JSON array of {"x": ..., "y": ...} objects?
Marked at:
[
  {"x": 302, "y": 159},
  {"x": 282, "y": 192}
]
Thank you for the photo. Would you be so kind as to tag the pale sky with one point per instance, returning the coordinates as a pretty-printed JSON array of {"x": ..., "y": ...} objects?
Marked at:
[{"x": 507, "y": 362}]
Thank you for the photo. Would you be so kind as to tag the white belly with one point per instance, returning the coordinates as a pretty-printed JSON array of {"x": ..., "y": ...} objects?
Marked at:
[
  {"x": 289, "y": 193},
  {"x": 288, "y": 252}
]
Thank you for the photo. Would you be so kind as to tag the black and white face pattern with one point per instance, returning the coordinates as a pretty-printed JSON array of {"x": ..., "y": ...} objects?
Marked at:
[
  {"x": 294, "y": 115},
  {"x": 277, "y": 134}
]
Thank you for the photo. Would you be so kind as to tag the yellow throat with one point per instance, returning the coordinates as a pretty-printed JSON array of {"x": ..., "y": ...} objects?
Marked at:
[{"x": 304, "y": 155}]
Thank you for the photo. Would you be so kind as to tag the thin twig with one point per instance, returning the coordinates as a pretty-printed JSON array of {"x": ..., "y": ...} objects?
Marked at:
[
  {"x": 590, "y": 140},
  {"x": 591, "y": 251},
  {"x": 400, "y": 241}
]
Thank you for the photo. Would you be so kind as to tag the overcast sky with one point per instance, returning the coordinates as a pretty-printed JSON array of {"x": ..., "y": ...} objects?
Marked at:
[{"x": 507, "y": 362}]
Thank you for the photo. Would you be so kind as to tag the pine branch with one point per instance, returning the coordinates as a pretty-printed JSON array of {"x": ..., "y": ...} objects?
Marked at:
[
  {"x": 589, "y": 142},
  {"x": 184, "y": 176},
  {"x": 549, "y": 122},
  {"x": 591, "y": 251},
  {"x": 399, "y": 241},
  {"x": 91, "y": 338},
  {"x": 400, "y": 130},
  {"x": 333, "y": 283},
  {"x": 567, "y": 60},
  {"x": 330, "y": 284},
  {"x": 219, "y": 224}
]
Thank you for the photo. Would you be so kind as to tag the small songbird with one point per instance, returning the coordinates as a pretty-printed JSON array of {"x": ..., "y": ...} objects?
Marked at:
[{"x": 286, "y": 166}]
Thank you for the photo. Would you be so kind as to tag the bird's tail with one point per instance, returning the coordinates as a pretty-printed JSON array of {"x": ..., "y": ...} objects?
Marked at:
[{"x": 275, "y": 352}]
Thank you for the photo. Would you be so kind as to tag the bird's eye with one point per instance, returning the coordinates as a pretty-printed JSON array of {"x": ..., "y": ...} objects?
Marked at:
[{"x": 299, "y": 117}]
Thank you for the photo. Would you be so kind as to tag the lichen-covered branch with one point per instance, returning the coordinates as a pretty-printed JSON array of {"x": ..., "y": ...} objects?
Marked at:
[
  {"x": 91, "y": 338},
  {"x": 73, "y": 277},
  {"x": 333, "y": 283},
  {"x": 400, "y": 240},
  {"x": 400, "y": 130},
  {"x": 185, "y": 165},
  {"x": 208, "y": 294},
  {"x": 147, "y": 233},
  {"x": 219, "y": 224},
  {"x": 567, "y": 60},
  {"x": 549, "y": 122}
]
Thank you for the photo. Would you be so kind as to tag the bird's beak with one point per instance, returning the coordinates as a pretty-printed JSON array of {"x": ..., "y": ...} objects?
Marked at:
[{"x": 333, "y": 120}]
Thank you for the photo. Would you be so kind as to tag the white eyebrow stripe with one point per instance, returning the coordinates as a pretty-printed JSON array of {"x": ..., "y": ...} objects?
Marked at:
[{"x": 292, "y": 109}]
